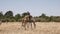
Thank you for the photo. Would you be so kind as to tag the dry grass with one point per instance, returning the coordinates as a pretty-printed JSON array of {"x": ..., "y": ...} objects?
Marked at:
[{"x": 41, "y": 28}]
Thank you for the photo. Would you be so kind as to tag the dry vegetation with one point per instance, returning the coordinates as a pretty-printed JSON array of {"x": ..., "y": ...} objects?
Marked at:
[{"x": 41, "y": 28}]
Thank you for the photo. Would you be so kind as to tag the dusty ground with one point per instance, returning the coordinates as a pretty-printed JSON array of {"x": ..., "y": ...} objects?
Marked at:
[{"x": 41, "y": 28}]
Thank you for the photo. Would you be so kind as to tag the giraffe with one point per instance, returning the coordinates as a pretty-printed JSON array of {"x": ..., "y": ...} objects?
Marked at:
[{"x": 28, "y": 19}]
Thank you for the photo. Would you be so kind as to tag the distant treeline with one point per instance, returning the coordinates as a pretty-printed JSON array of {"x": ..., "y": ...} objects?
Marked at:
[{"x": 8, "y": 17}]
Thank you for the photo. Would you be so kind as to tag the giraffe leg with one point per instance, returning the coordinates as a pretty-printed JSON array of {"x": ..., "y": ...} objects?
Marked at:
[
  {"x": 31, "y": 25},
  {"x": 27, "y": 25},
  {"x": 34, "y": 24}
]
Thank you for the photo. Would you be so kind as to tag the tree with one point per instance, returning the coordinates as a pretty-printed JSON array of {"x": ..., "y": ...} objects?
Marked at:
[
  {"x": 44, "y": 18},
  {"x": 25, "y": 13},
  {"x": 9, "y": 14},
  {"x": 43, "y": 15},
  {"x": 17, "y": 17},
  {"x": 1, "y": 15}
]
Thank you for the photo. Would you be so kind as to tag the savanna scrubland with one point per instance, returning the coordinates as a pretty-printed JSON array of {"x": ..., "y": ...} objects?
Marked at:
[
  {"x": 10, "y": 24},
  {"x": 41, "y": 28},
  {"x": 10, "y": 17}
]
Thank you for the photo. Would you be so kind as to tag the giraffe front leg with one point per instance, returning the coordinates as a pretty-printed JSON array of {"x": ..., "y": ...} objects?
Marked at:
[{"x": 34, "y": 24}]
